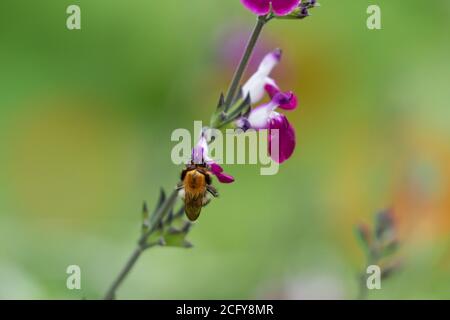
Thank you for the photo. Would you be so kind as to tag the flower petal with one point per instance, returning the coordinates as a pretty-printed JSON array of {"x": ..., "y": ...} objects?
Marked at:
[
  {"x": 291, "y": 104},
  {"x": 285, "y": 100},
  {"x": 271, "y": 87},
  {"x": 284, "y": 7},
  {"x": 259, "y": 116},
  {"x": 281, "y": 137},
  {"x": 270, "y": 61},
  {"x": 255, "y": 85},
  {"x": 259, "y": 7},
  {"x": 215, "y": 168},
  {"x": 197, "y": 155},
  {"x": 224, "y": 178},
  {"x": 200, "y": 151}
]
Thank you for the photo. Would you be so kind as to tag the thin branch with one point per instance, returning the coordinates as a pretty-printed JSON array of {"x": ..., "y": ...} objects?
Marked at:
[
  {"x": 142, "y": 243},
  {"x": 168, "y": 204},
  {"x": 244, "y": 61},
  {"x": 111, "y": 294}
]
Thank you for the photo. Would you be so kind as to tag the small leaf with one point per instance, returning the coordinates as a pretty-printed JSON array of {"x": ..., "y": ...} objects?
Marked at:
[
  {"x": 161, "y": 199},
  {"x": 162, "y": 242},
  {"x": 187, "y": 244},
  {"x": 180, "y": 212},
  {"x": 390, "y": 248},
  {"x": 221, "y": 102},
  {"x": 177, "y": 239},
  {"x": 155, "y": 236},
  {"x": 169, "y": 217},
  {"x": 384, "y": 225},
  {"x": 389, "y": 269},
  {"x": 145, "y": 218},
  {"x": 364, "y": 235},
  {"x": 187, "y": 227}
]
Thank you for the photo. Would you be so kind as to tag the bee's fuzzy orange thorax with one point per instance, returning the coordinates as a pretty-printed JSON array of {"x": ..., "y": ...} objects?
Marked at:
[{"x": 195, "y": 183}]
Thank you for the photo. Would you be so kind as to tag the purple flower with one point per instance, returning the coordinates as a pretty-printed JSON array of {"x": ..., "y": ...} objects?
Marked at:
[
  {"x": 263, "y": 7},
  {"x": 200, "y": 156},
  {"x": 260, "y": 82},
  {"x": 256, "y": 84},
  {"x": 281, "y": 136}
]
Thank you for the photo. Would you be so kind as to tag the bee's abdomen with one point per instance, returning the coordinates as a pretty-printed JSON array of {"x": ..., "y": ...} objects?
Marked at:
[
  {"x": 194, "y": 192},
  {"x": 193, "y": 208}
]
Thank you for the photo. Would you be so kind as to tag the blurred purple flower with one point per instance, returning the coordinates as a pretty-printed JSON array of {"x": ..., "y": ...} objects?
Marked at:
[
  {"x": 231, "y": 42},
  {"x": 263, "y": 7}
]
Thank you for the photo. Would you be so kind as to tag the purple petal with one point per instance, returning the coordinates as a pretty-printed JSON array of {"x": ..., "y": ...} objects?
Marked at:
[
  {"x": 284, "y": 7},
  {"x": 291, "y": 104},
  {"x": 272, "y": 89},
  {"x": 215, "y": 168},
  {"x": 197, "y": 155},
  {"x": 259, "y": 7},
  {"x": 285, "y": 100},
  {"x": 282, "y": 135},
  {"x": 224, "y": 178},
  {"x": 200, "y": 151}
]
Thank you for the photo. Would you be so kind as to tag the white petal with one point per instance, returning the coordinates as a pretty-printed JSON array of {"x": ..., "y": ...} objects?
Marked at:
[
  {"x": 255, "y": 85},
  {"x": 269, "y": 62},
  {"x": 259, "y": 116}
]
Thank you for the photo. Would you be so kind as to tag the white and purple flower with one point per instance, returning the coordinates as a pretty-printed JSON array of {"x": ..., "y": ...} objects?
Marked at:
[
  {"x": 263, "y": 7},
  {"x": 200, "y": 156},
  {"x": 265, "y": 116}
]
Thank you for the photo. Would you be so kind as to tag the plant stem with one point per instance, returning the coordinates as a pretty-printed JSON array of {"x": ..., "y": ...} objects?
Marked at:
[
  {"x": 142, "y": 243},
  {"x": 244, "y": 61},
  {"x": 170, "y": 201},
  {"x": 372, "y": 258},
  {"x": 111, "y": 294},
  {"x": 362, "y": 290}
]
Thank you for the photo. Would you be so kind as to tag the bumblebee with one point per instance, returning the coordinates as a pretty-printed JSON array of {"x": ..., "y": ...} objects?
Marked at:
[{"x": 195, "y": 187}]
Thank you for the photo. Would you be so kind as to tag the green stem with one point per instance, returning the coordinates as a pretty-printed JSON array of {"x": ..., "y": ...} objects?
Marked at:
[
  {"x": 372, "y": 258},
  {"x": 231, "y": 94},
  {"x": 142, "y": 244},
  {"x": 170, "y": 201},
  {"x": 111, "y": 294}
]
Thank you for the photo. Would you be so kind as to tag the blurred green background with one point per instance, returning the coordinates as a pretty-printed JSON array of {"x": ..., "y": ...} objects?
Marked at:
[{"x": 85, "y": 124}]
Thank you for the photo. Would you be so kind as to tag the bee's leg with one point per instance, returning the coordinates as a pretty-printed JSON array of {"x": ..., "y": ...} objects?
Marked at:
[
  {"x": 206, "y": 201},
  {"x": 213, "y": 191},
  {"x": 180, "y": 190}
]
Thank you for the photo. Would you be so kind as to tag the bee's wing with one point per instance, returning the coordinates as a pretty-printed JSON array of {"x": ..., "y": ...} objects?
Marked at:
[
  {"x": 193, "y": 206},
  {"x": 192, "y": 211}
]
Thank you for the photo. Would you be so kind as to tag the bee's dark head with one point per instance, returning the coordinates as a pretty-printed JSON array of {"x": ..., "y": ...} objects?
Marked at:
[{"x": 201, "y": 164}]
